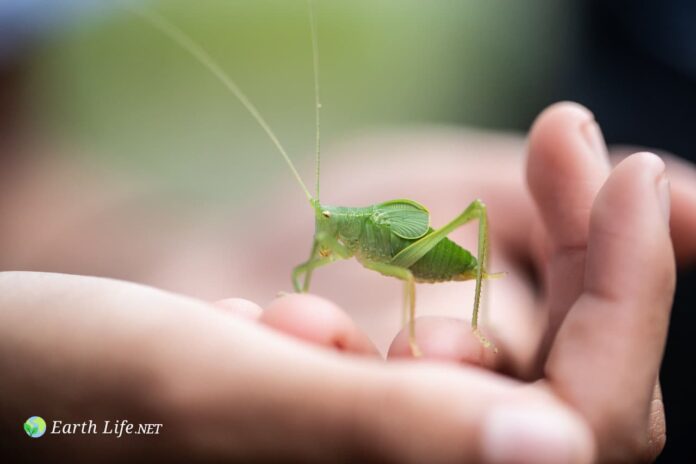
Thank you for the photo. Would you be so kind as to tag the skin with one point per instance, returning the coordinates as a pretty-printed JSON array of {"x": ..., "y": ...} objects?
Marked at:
[{"x": 575, "y": 380}]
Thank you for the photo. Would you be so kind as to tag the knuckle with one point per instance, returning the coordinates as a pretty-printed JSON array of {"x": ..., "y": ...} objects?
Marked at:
[
  {"x": 630, "y": 441},
  {"x": 657, "y": 432}
]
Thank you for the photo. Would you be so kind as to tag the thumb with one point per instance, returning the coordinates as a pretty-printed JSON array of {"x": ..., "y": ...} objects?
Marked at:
[{"x": 607, "y": 354}]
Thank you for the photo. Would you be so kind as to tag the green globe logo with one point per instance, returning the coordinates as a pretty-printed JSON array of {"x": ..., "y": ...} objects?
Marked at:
[{"x": 35, "y": 426}]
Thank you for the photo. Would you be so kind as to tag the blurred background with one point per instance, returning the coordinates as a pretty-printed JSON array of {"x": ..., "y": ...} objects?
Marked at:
[{"x": 89, "y": 83}]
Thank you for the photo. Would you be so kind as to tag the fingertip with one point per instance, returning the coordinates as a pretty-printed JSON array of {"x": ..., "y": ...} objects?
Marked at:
[
  {"x": 566, "y": 166},
  {"x": 656, "y": 167},
  {"x": 644, "y": 161},
  {"x": 554, "y": 121},
  {"x": 682, "y": 202},
  {"x": 629, "y": 230},
  {"x": 634, "y": 187},
  {"x": 564, "y": 108},
  {"x": 445, "y": 339},
  {"x": 318, "y": 321},
  {"x": 638, "y": 177}
]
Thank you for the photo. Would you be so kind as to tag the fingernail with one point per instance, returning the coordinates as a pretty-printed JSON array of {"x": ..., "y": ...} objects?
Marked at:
[
  {"x": 540, "y": 436},
  {"x": 594, "y": 138},
  {"x": 663, "y": 193},
  {"x": 240, "y": 307}
]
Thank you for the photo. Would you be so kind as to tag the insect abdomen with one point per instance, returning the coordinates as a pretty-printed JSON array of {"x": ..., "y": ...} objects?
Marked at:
[{"x": 447, "y": 261}]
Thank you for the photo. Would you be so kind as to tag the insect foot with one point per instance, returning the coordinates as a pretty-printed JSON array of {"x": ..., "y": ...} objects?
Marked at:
[
  {"x": 484, "y": 341},
  {"x": 415, "y": 350}
]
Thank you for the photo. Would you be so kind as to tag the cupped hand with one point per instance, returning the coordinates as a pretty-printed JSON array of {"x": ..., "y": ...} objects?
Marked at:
[
  {"x": 228, "y": 387},
  {"x": 587, "y": 253},
  {"x": 225, "y": 388}
]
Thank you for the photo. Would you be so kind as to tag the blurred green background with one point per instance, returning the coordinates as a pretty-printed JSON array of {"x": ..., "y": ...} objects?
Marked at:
[{"x": 122, "y": 93}]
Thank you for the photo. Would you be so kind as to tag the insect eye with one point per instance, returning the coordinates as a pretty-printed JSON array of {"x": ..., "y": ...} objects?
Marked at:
[{"x": 326, "y": 214}]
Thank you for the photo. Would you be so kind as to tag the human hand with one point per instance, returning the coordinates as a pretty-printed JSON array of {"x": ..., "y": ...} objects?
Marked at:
[
  {"x": 568, "y": 165},
  {"x": 225, "y": 388},
  {"x": 285, "y": 399}
]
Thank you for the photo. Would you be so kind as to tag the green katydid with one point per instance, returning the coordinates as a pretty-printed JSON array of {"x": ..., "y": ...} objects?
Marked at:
[{"x": 393, "y": 238}]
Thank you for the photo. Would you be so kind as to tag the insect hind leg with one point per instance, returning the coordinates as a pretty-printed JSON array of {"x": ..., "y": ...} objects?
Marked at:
[
  {"x": 412, "y": 253},
  {"x": 479, "y": 212}
]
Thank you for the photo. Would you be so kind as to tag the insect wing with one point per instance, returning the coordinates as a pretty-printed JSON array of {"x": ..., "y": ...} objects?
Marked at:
[{"x": 406, "y": 218}]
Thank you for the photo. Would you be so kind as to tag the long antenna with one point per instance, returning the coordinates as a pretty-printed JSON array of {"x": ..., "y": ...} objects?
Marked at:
[
  {"x": 185, "y": 42},
  {"x": 317, "y": 101}
]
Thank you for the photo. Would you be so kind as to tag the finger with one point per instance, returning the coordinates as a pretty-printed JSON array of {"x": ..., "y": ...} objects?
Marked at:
[
  {"x": 682, "y": 179},
  {"x": 316, "y": 320},
  {"x": 241, "y": 307},
  {"x": 607, "y": 353},
  {"x": 567, "y": 165},
  {"x": 446, "y": 339}
]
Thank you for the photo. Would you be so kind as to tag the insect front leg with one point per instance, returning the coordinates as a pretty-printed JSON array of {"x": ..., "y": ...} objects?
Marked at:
[
  {"x": 315, "y": 260},
  {"x": 409, "y": 296},
  {"x": 412, "y": 253},
  {"x": 335, "y": 250},
  {"x": 304, "y": 269}
]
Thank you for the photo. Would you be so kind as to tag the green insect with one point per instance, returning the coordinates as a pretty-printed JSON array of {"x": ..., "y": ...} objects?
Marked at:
[{"x": 393, "y": 238}]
